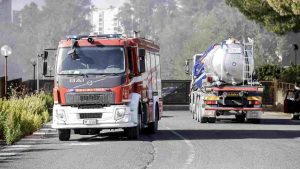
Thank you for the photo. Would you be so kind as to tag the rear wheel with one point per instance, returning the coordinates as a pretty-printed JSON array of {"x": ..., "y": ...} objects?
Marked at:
[
  {"x": 255, "y": 121},
  {"x": 64, "y": 134},
  {"x": 212, "y": 119},
  {"x": 295, "y": 117},
  {"x": 204, "y": 119},
  {"x": 197, "y": 107},
  {"x": 240, "y": 118}
]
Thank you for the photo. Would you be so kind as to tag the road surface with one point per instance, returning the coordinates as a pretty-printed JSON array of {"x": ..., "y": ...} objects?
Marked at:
[{"x": 180, "y": 143}]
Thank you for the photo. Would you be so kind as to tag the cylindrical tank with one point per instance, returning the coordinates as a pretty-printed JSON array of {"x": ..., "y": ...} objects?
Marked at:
[{"x": 225, "y": 62}]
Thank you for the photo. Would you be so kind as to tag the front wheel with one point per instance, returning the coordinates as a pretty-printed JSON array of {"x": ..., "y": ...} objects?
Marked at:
[
  {"x": 132, "y": 133},
  {"x": 64, "y": 134}
]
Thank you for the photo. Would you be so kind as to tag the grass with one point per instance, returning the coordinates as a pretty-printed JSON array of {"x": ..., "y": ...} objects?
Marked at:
[{"x": 22, "y": 116}]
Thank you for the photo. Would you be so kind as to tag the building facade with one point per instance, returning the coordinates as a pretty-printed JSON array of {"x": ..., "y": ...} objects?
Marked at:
[
  {"x": 105, "y": 21},
  {"x": 5, "y": 11}
]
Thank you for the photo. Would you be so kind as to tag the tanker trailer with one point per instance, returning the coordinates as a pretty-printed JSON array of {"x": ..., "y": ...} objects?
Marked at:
[{"x": 222, "y": 83}]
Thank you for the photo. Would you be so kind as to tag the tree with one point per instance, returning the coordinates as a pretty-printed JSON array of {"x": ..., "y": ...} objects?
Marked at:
[
  {"x": 186, "y": 27},
  {"x": 291, "y": 74},
  {"x": 43, "y": 28},
  {"x": 279, "y": 16},
  {"x": 268, "y": 72}
]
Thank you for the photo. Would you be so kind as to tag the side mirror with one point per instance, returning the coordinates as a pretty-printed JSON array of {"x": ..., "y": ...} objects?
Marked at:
[
  {"x": 142, "y": 65},
  {"x": 45, "y": 68},
  {"x": 142, "y": 53},
  {"x": 45, "y": 55},
  {"x": 187, "y": 67}
]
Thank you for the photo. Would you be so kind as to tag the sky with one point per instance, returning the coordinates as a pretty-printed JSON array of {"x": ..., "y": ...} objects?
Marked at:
[{"x": 19, "y": 4}]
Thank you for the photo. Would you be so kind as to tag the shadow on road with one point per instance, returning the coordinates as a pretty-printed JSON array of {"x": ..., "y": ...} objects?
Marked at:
[
  {"x": 11, "y": 158},
  {"x": 228, "y": 134},
  {"x": 205, "y": 134},
  {"x": 265, "y": 121},
  {"x": 279, "y": 122}
]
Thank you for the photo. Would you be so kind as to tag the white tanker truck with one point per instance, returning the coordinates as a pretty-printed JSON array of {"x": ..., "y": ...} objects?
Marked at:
[{"x": 222, "y": 83}]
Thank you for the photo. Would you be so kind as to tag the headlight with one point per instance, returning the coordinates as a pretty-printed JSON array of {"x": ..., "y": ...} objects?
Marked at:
[
  {"x": 120, "y": 113},
  {"x": 60, "y": 114}
]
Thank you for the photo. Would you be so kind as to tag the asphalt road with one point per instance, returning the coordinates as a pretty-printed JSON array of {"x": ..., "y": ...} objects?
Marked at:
[{"x": 180, "y": 143}]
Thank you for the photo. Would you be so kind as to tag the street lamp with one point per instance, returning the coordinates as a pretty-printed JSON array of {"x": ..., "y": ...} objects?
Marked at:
[
  {"x": 33, "y": 62},
  {"x": 296, "y": 48},
  {"x": 5, "y": 51}
]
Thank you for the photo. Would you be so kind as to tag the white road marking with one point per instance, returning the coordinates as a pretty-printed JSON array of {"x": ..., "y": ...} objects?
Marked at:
[
  {"x": 47, "y": 129},
  {"x": 191, "y": 156},
  {"x": 39, "y": 133},
  {"x": 30, "y": 139},
  {"x": 8, "y": 154},
  {"x": 14, "y": 149},
  {"x": 81, "y": 144},
  {"x": 20, "y": 146}
]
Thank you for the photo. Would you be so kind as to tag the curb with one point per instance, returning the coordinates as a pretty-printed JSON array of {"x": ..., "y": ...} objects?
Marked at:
[{"x": 277, "y": 113}]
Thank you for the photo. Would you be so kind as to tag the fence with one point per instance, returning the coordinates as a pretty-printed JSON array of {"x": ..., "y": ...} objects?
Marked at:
[
  {"x": 274, "y": 92},
  {"x": 175, "y": 92}
]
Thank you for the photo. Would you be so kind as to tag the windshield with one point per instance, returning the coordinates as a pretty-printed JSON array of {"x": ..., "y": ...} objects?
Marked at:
[{"x": 92, "y": 60}]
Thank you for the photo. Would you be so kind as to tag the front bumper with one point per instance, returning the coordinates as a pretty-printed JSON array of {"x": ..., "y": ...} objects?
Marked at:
[{"x": 67, "y": 117}]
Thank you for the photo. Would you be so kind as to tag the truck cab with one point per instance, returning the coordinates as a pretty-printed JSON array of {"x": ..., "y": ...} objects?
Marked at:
[{"x": 106, "y": 82}]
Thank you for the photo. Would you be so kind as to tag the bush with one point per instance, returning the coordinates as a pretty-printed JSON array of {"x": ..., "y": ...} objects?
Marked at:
[
  {"x": 22, "y": 116},
  {"x": 291, "y": 74}
]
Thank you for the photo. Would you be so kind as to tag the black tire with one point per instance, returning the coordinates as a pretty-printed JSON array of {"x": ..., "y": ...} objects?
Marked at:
[
  {"x": 153, "y": 126},
  {"x": 197, "y": 110},
  {"x": 133, "y": 133},
  {"x": 240, "y": 118},
  {"x": 64, "y": 134},
  {"x": 295, "y": 117},
  {"x": 256, "y": 121},
  {"x": 212, "y": 120},
  {"x": 204, "y": 119}
]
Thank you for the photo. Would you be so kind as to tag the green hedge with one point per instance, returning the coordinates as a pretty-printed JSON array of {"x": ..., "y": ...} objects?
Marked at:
[{"x": 23, "y": 116}]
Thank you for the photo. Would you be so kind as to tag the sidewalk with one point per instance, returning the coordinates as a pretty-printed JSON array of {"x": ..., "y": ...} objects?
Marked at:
[
  {"x": 36, "y": 136},
  {"x": 274, "y": 113}
]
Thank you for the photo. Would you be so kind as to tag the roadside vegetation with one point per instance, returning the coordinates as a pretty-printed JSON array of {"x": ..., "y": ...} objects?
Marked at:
[
  {"x": 24, "y": 115},
  {"x": 269, "y": 72}
]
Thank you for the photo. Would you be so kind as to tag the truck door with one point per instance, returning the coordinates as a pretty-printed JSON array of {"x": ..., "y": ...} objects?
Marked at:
[{"x": 289, "y": 102}]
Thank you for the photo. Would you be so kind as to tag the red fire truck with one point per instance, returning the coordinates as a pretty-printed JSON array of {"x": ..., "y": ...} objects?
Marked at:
[{"x": 106, "y": 82}]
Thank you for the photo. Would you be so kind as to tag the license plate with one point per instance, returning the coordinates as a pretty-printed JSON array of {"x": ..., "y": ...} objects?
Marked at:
[{"x": 90, "y": 122}]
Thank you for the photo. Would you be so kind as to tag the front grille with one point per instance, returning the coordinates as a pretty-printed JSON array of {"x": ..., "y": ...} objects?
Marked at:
[
  {"x": 90, "y": 115},
  {"x": 96, "y": 106},
  {"x": 100, "y": 98}
]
